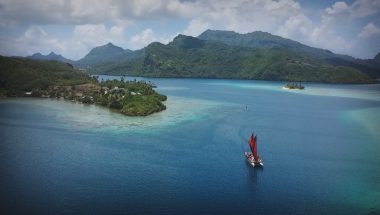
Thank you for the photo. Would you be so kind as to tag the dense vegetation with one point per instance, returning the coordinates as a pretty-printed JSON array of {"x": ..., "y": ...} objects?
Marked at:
[
  {"x": 133, "y": 98},
  {"x": 18, "y": 75},
  {"x": 192, "y": 57},
  {"x": 260, "y": 39},
  {"x": 227, "y": 54},
  {"x": 53, "y": 79}
]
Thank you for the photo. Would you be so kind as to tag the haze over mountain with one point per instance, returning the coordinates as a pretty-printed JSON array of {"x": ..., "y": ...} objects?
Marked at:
[{"x": 50, "y": 56}]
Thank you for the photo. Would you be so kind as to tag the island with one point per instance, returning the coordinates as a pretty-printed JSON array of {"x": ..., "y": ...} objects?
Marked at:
[{"x": 52, "y": 79}]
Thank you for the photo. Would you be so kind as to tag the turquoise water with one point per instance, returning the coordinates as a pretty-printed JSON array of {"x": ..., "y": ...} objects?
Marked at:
[{"x": 320, "y": 148}]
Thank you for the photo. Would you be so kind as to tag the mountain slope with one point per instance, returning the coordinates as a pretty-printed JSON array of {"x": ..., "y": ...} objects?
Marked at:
[
  {"x": 104, "y": 54},
  {"x": 260, "y": 39},
  {"x": 21, "y": 74},
  {"x": 192, "y": 57}
]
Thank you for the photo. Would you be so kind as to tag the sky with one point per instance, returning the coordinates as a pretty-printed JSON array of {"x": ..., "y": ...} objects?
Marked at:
[{"x": 73, "y": 27}]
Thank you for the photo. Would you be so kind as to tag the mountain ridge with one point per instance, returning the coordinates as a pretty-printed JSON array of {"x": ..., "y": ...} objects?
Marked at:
[
  {"x": 51, "y": 56},
  {"x": 102, "y": 54},
  {"x": 189, "y": 56},
  {"x": 241, "y": 56}
]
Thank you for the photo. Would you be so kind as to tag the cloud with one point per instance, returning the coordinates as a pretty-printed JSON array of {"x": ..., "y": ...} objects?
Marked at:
[
  {"x": 196, "y": 27},
  {"x": 147, "y": 36},
  {"x": 337, "y": 8},
  {"x": 83, "y": 39},
  {"x": 245, "y": 16},
  {"x": 95, "y": 22},
  {"x": 369, "y": 30},
  {"x": 34, "y": 39},
  {"x": 358, "y": 9},
  {"x": 91, "y": 35},
  {"x": 298, "y": 26},
  {"x": 41, "y": 12}
]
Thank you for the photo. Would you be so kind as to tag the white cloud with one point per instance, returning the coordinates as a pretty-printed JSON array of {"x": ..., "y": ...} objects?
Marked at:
[
  {"x": 95, "y": 22},
  {"x": 142, "y": 39},
  {"x": 298, "y": 26},
  {"x": 40, "y": 12},
  {"x": 84, "y": 38},
  {"x": 247, "y": 16},
  {"x": 358, "y": 9},
  {"x": 91, "y": 35},
  {"x": 337, "y": 8},
  {"x": 34, "y": 39},
  {"x": 369, "y": 30},
  {"x": 364, "y": 8},
  {"x": 196, "y": 27},
  {"x": 147, "y": 36}
]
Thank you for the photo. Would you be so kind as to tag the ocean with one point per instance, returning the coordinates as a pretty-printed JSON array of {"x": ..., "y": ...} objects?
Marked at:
[{"x": 320, "y": 146}]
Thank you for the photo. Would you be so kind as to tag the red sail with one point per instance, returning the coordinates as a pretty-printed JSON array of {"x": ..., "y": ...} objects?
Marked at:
[
  {"x": 254, "y": 151},
  {"x": 252, "y": 143},
  {"x": 253, "y": 146}
]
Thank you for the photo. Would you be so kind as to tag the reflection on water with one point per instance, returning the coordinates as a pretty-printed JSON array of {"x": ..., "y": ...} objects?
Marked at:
[
  {"x": 368, "y": 118},
  {"x": 254, "y": 173}
]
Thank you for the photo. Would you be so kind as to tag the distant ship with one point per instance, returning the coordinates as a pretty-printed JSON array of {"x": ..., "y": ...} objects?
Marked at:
[{"x": 252, "y": 157}]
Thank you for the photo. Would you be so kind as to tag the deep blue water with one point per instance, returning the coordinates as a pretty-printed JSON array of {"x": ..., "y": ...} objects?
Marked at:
[{"x": 320, "y": 148}]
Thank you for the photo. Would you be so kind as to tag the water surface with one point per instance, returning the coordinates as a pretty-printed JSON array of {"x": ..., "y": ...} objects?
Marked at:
[{"x": 320, "y": 148}]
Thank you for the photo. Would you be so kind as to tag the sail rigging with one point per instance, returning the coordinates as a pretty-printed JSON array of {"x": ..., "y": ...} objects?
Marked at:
[
  {"x": 253, "y": 156},
  {"x": 253, "y": 146}
]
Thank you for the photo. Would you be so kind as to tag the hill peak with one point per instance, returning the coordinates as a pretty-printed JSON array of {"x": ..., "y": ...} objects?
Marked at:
[
  {"x": 53, "y": 54},
  {"x": 187, "y": 42},
  {"x": 109, "y": 44},
  {"x": 107, "y": 48}
]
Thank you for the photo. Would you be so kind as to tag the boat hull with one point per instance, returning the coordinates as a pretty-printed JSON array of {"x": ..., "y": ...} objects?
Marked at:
[{"x": 251, "y": 160}]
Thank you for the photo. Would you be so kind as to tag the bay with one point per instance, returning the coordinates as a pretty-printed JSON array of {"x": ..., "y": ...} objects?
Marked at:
[{"x": 320, "y": 148}]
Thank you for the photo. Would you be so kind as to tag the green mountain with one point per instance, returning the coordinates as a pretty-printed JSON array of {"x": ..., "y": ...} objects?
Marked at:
[
  {"x": 227, "y": 54},
  {"x": 105, "y": 54},
  {"x": 54, "y": 79},
  {"x": 18, "y": 75},
  {"x": 260, "y": 39},
  {"x": 192, "y": 57}
]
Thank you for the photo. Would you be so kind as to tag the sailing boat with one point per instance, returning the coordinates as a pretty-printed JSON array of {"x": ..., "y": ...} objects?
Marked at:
[{"x": 252, "y": 157}]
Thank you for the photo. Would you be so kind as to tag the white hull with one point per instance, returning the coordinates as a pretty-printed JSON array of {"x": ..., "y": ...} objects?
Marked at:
[{"x": 251, "y": 161}]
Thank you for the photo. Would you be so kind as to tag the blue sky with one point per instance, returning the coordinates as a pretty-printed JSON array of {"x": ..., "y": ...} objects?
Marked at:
[{"x": 73, "y": 27}]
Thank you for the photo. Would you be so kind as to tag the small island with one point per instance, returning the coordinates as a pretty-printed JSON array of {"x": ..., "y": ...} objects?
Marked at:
[
  {"x": 132, "y": 98},
  {"x": 52, "y": 79},
  {"x": 294, "y": 86}
]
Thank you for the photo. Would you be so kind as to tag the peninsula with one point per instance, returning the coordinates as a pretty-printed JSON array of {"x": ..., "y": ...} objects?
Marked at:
[{"x": 22, "y": 77}]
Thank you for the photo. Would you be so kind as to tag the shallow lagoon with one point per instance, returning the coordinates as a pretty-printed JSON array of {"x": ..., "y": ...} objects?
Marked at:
[{"x": 320, "y": 147}]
